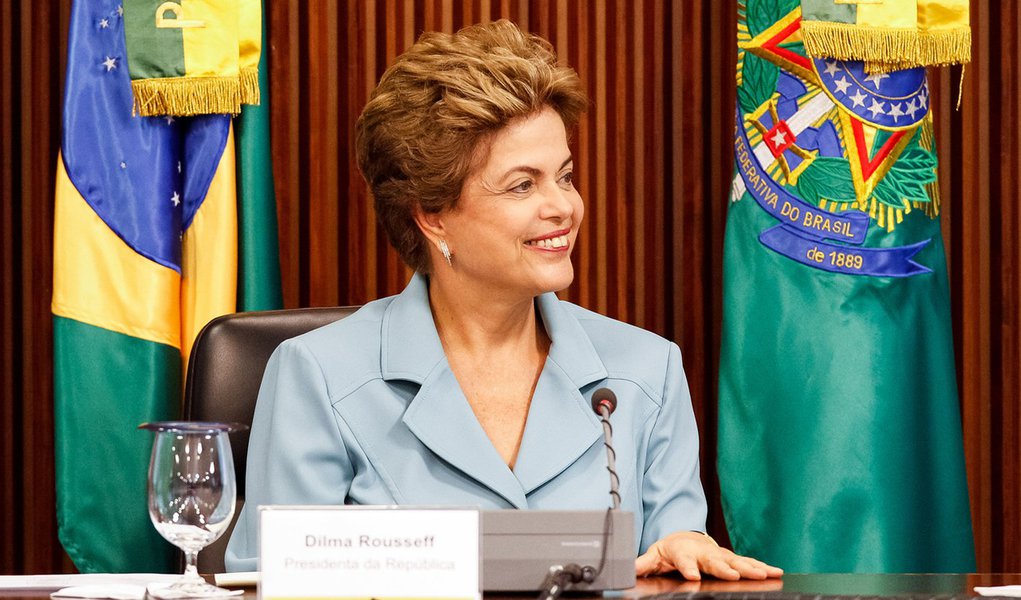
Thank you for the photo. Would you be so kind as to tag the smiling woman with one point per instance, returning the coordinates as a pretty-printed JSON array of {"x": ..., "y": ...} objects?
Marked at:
[
  {"x": 473, "y": 386},
  {"x": 510, "y": 237},
  {"x": 515, "y": 223},
  {"x": 431, "y": 121}
]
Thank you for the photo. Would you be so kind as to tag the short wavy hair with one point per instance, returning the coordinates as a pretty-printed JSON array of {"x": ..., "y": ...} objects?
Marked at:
[{"x": 426, "y": 125}]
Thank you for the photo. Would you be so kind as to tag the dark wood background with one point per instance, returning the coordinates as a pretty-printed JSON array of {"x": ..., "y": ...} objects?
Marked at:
[{"x": 654, "y": 166}]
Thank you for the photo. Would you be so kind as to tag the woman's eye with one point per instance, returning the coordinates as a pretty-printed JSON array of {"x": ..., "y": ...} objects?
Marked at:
[
  {"x": 567, "y": 178},
  {"x": 524, "y": 186}
]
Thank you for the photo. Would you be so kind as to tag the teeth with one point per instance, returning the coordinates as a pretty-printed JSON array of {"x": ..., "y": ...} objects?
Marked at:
[{"x": 550, "y": 243}]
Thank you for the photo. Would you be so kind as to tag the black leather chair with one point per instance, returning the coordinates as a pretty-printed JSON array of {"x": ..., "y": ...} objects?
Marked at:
[{"x": 225, "y": 370}]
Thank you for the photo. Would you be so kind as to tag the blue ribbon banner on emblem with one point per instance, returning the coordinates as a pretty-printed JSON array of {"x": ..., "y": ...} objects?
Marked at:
[
  {"x": 878, "y": 262},
  {"x": 803, "y": 227}
]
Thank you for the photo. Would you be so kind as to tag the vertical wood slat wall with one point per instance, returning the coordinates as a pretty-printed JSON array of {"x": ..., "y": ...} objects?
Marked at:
[
  {"x": 654, "y": 166},
  {"x": 32, "y": 59}
]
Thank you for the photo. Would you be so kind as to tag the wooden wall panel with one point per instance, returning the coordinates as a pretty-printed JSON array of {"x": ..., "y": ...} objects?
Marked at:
[
  {"x": 981, "y": 162},
  {"x": 32, "y": 52},
  {"x": 654, "y": 167},
  {"x": 9, "y": 250}
]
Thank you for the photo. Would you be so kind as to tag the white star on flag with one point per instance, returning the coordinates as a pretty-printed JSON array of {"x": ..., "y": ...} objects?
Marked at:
[
  {"x": 110, "y": 64},
  {"x": 913, "y": 107},
  {"x": 120, "y": 11},
  {"x": 876, "y": 78},
  {"x": 858, "y": 98},
  {"x": 779, "y": 139},
  {"x": 831, "y": 68},
  {"x": 178, "y": 166},
  {"x": 169, "y": 119},
  {"x": 895, "y": 111},
  {"x": 842, "y": 85},
  {"x": 104, "y": 23},
  {"x": 877, "y": 108},
  {"x": 176, "y": 198}
]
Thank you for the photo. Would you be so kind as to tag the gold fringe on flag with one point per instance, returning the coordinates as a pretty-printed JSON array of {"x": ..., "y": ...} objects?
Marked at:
[
  {"x": 249, "y": 85},
  {"x": 185, "y": 96},
  {"x": 192, "y": 58},
  {"x": 886, "y": 50}
]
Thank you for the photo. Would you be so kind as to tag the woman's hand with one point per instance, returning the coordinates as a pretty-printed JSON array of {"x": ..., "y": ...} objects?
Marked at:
[{"x": 691, "y": 553}]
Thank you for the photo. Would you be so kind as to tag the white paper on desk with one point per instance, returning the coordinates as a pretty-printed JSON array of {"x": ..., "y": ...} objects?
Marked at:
[
  {"x": 56, "y": 582},
  {"x": 163, "y": 592},
  {"x": 1000, "y": 590},
  {"x": 114, "y": 591},
  {"x": 237, "y": 579}
]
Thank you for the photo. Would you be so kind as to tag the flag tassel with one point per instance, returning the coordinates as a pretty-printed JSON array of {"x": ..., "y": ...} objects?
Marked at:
[
  {"x": 185, "y": 96},
  {"x": 876, "y": 46},
  {"x": 250, "y": 85}
]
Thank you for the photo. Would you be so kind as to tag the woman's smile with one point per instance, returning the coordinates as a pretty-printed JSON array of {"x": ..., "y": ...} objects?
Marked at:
[{"x": 558, "y": 241}]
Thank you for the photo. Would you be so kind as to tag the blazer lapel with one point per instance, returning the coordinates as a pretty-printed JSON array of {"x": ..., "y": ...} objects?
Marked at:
[
  {"x": 560, "y": 428},
  {"x": 561, "y": 425},
  {"x": 439, "y": 415},
  {"x": 441, "y": 418}
]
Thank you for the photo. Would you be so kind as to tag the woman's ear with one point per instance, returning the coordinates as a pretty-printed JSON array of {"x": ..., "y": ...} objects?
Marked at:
[
  {"x": 430, "y": 224},
  {"x": 432, "y": 227}
]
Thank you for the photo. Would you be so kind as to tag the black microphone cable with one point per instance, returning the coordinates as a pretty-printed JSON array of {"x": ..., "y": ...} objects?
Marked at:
[
  {"x": 560, "y": 577},
  {"x": 604, "y": 402}
]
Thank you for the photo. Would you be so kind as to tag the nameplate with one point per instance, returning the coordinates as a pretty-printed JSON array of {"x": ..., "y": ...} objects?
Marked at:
[{"x": 361, "y": 552}]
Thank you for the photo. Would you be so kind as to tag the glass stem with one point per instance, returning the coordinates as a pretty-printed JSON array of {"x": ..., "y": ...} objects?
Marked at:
[{"x": 191, "y": 569}]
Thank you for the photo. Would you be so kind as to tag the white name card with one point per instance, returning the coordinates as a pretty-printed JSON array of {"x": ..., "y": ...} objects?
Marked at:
[{"x": 353, "y": 552}]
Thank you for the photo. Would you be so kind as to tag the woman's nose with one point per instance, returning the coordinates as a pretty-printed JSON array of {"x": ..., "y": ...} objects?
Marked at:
[{"x": 557, "y": 203}]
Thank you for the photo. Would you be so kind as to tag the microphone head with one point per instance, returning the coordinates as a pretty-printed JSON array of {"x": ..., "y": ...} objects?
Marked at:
[{"x": 604, "y": 397}]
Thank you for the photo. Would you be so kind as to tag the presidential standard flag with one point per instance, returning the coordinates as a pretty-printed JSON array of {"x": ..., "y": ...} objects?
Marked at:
[
  {"x": 189, "y": 58},
  {"x": 145, "y": 253},
  {"x": 840, "y": 446}
]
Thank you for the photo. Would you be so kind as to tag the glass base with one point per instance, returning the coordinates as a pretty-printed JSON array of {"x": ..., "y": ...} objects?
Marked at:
[{"x": 188, "y": 587}]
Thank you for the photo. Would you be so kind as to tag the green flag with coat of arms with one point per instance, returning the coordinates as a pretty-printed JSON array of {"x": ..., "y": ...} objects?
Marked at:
[{"x": 840, "y": 446}]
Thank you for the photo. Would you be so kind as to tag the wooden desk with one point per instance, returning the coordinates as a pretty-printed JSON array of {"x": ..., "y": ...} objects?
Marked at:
[
  {"x": 834, "y": 583},
  {"x": 816, "y": 583}
]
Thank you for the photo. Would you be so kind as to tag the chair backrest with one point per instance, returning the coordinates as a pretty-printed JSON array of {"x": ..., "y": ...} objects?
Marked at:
[{"x": 225, "y": 370}]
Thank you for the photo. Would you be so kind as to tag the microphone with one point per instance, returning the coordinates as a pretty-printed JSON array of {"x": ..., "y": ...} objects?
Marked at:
[
  {"x": 604, "y": 402},
  {"x": 604, "y": 397},
  {"x": 561, "y": 577}
]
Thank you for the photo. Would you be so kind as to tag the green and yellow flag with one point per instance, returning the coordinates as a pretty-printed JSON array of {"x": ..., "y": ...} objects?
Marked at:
[
  {"x": 193, "y": 57},
  {"x": 145, "y": 253},
  {"x": 840, "y": 446},
  {"x": 258, "y": 255},
  {"x": 888, "y": 35}
]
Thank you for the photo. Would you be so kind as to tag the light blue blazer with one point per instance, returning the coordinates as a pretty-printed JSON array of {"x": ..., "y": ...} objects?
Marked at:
[{"x": 367, "y": 411}]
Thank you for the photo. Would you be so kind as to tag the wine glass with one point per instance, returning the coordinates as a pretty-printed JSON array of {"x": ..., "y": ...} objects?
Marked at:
[{"x": 191, "y": 494}]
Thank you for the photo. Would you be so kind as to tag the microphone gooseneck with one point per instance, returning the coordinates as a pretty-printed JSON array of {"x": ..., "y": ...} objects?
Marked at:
[
  {"x": 604, "y": 402},
  {"x": 562, "y": 577}
]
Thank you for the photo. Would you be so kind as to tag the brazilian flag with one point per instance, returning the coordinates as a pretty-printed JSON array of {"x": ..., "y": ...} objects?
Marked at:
[
  {"x": 258, "y": 254},
  {"x": 146, "y": 251},
  {"x": 840, "y": 445}
]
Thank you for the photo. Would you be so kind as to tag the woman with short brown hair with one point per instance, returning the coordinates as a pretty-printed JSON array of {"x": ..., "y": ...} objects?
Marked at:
[{"x": 473, "y": 386}]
